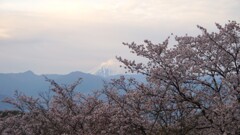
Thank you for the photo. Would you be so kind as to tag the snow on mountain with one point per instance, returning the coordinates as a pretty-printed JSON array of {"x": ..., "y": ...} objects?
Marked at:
[
  {"x": 104, "y": 72},
  {"x": 109, "y": 68}
]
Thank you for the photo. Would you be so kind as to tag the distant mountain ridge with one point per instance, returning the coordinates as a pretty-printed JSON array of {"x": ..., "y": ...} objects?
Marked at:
[{"x": 31, "y": 84}]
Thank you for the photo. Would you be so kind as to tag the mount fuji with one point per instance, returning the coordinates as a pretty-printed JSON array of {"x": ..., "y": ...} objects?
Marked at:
[{"x": 109, "y": 68}]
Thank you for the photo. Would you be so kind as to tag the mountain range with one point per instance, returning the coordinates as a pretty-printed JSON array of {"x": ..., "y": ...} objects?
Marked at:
[{"x": 32, "y": 84}]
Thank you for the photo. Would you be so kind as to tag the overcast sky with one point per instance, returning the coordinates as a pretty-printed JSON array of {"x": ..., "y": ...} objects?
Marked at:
[{"x": 60, "y": 36}]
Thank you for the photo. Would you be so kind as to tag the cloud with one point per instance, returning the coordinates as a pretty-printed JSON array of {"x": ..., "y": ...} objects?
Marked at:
[
  {"x": 4, "y": 34},
  {"x": 61, "y": 36}
]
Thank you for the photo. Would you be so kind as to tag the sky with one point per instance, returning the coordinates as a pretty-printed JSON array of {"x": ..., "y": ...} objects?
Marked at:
[{"x": 61, "y": 36}]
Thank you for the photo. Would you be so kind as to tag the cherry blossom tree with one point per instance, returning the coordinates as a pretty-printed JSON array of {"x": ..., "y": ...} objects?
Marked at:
[
  {"x": 191, "y": 88},
  {"x": 199, "y": 75},
  {"x": 65, "y": 112}
]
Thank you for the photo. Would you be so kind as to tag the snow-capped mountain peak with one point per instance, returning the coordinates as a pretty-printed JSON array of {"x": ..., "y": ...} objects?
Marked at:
[
  {"x": 109, "y": 68},
  {"x": 104, "y": 72}
]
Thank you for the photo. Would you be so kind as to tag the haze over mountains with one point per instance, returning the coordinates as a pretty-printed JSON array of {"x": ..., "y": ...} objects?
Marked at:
[{"x": 32, "y": 84}]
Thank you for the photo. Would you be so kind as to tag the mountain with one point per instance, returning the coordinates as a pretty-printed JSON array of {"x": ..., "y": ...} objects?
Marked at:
[
  {"x": 32, "y": 84},
  {"x": 108, "y": 68},
  {"x": 104, "y": 72},
  {"x": 89, "y": 82},
  {"x": 27, "y": 82}
]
